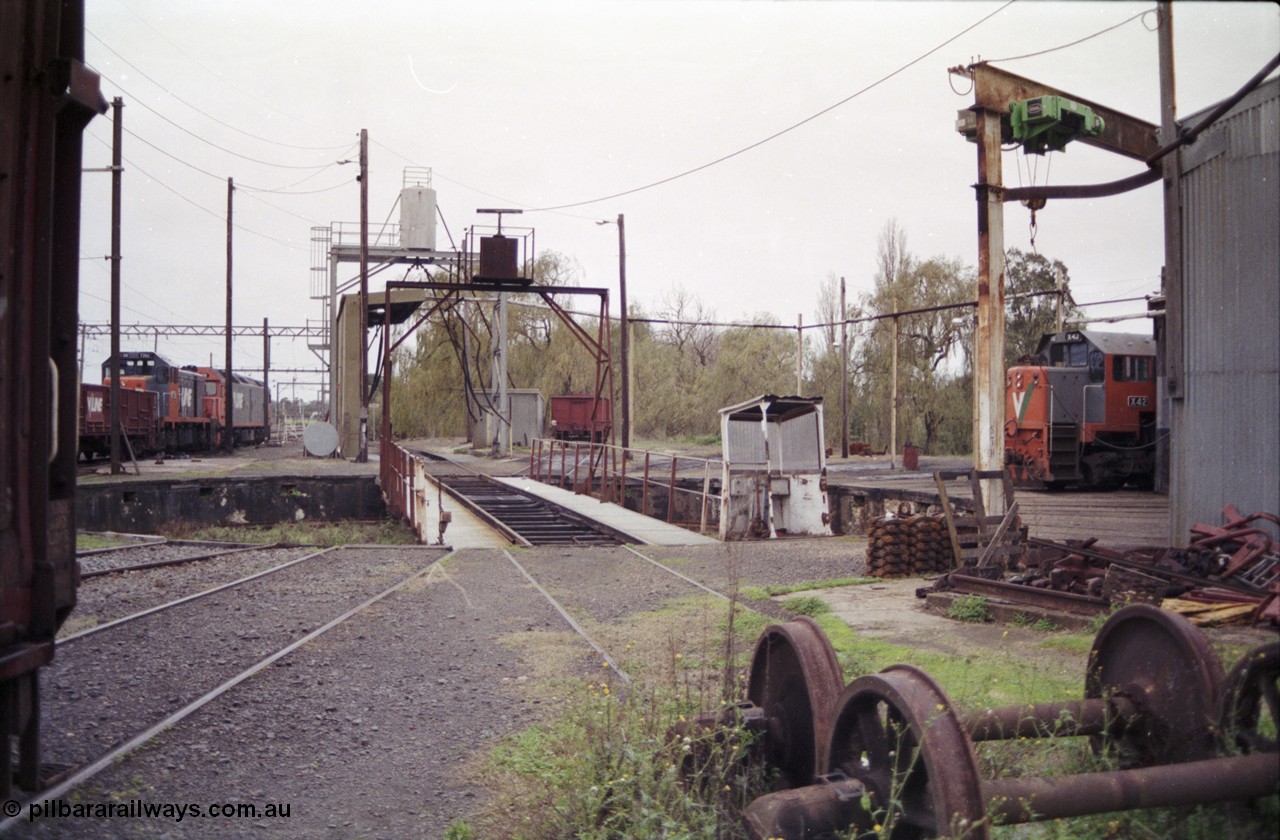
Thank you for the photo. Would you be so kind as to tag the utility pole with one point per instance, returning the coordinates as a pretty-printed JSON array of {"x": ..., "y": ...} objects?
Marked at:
[
  {"x": 266, "y": 373},
  {"x": 503, "y": 447},
  {"x": 117, "y": 158},
  {"x": 624, "y": 341},
  {"x": 844, "y": 375},
  {"x": 799, "y": 353},
  {"x": 1060, "y": 317},
  {"x": 363, "y": 455},
  {"x": 227, "y": 438},
  {"x": 1169, "y": 350},
  {"x": 893, "y": 394}
]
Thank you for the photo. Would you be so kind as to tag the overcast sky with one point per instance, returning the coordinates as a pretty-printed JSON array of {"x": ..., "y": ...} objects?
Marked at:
[{"x": 554, "y": 103}]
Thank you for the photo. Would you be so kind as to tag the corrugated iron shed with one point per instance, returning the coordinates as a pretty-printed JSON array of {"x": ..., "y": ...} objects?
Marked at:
[{"x": 1225, "y": 423}]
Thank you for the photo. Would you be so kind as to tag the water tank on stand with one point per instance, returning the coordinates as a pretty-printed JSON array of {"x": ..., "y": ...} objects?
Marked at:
[{"x": 417, "y": 209}]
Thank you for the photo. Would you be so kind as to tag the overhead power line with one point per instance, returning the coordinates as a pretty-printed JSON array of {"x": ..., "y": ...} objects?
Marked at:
[
  {"x": 1077, "y": 42},
  {"x": 199, "y": 206},
  {"x": 247, "y": 93},
  {"x": 136, "y": 100},
  {"x": 203, "y": 112},
  {"x": 789, "y": 128}
]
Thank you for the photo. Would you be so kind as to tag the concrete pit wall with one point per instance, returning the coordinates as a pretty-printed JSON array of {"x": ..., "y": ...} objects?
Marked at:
[{"x": 143, "y": 506}]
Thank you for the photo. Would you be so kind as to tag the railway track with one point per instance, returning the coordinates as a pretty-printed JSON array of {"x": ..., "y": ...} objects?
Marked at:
[
  {"x": 523, "y": 518},
  {"x": 147, "y": 670},
  {"x": 81, "y": 773},
  {"x": 168, "y": 669},
  {"x": 110, "y": 623}
]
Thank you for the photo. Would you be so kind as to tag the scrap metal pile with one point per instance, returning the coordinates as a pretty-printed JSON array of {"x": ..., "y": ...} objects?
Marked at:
[
  {"x": 891, "y": 750},
  {"x": 1227, "y": 574}
]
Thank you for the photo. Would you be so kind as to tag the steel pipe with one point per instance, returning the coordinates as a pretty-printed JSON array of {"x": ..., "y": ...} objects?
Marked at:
[
  {"x": 1193, "y": 783},
  {"x": 1047, "y": 720}
]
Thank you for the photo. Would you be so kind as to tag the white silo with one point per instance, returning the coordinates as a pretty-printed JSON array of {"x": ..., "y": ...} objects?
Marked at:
[{"x": 417, "y": 209}]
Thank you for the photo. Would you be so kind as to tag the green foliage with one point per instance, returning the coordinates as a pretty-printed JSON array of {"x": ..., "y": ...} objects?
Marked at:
[
  {"x": 761, "y": 593},
  {"x": 712, "y": 367},
  {"x": 459, "y": 830},
  {"x": 1029, "y": 318},
  {"x": 634, "y": 763},
  {"x": 86, "y": 541},
  {"x": 806, "y": 605},
  {"x": 971, "y": 608},
  {"x": 934, "y": 408},
  {"x": 388, "y": 532}
]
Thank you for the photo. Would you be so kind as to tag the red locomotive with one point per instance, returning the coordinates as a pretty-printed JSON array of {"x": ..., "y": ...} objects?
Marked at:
[
  {"x": 1083, "y": 411},
  {"x": 169, "y": 408}
]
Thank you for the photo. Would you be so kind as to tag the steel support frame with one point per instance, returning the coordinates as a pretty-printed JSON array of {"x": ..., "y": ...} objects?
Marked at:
[
  {"x": 599, "y": 345},
  {"x": 994, "y": 91}
]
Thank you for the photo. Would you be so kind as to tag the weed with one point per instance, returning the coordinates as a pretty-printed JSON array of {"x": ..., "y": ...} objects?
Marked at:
[
  {"x": 86, "y": 541},
  {"x": 763, "y": 593},
  {"x": 1045, "y": 625},
  {"x": 1020, "y": 620},
  {"x": 810, "y": 605},
  {"x": 459, "y": 830},
  {"x": 971, "y": 608},
  {"x": 387, "y": 532}
]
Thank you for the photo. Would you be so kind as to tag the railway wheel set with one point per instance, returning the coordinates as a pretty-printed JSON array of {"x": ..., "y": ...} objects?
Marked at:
[{"x": 891, "y": 750}]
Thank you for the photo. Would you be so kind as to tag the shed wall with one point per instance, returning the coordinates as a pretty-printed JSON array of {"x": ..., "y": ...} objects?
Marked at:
[{"x": 1226, "y": 427}]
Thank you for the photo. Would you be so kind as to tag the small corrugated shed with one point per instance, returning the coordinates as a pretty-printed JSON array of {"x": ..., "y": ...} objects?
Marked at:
[{"x": 1225, "y": 414}]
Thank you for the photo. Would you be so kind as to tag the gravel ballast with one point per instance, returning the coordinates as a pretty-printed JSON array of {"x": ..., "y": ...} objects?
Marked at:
[{"x": 368, "y": 730}]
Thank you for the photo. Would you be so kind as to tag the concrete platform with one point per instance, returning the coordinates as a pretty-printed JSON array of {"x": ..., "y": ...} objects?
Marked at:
[{"x": 644, "y": 530}]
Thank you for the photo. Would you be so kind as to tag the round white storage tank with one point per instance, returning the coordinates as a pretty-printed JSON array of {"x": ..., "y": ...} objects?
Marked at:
[{"x": 417, "y": 211}]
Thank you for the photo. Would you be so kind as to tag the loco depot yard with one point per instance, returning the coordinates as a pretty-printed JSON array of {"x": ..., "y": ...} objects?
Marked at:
[{"x": 479, "y": 547}]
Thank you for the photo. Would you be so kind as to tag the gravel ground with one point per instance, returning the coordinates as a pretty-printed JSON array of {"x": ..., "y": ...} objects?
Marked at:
[
  {"x": 159, "y": 552},
  {"x": 108, "y": 597},
  {"x": 105, "y": 688},
  {"x": 366, "y": 731}
]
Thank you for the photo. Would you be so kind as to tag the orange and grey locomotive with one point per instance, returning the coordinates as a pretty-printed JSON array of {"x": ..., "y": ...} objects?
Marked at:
[{"x": 1082, "y": 411}]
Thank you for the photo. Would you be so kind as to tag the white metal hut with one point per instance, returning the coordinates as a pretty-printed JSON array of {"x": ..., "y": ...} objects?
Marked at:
[{"x": 774, "y": 480}]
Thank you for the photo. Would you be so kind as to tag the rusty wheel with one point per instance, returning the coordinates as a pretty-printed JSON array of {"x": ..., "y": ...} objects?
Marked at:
[
  {"x": 1251, "y": 702},
  {"x": 1165, "y": 666},
  {"x": 897, "y": 733},
  {"x": 795, "y": 680}
]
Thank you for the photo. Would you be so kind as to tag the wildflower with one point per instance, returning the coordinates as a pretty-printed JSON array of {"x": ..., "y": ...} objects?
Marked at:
[
  {"x": 605, "y": 691},
  {"x": 679, "y": 656}
]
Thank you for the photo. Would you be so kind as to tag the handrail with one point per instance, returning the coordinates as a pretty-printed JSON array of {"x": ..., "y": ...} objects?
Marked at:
[{"x": 606, "y": 475}]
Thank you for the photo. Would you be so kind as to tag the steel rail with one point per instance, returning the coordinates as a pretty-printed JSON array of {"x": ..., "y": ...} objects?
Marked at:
[
  {"x": 578, "y": 628},
  {"x": 143, "y": 541},
  {"x": 680, "y": 575},
  {"x": 90, "y": 770},
  {"x": 178, "y": 561},
  {"x": 188, "y": 598}
]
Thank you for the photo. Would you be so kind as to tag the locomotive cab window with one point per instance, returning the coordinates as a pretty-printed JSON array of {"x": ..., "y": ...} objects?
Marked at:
[
  {"x": 1132, "y": 368},
  {"x": 211, "y": 389},
  {"x": 1069, "y": 355}
]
